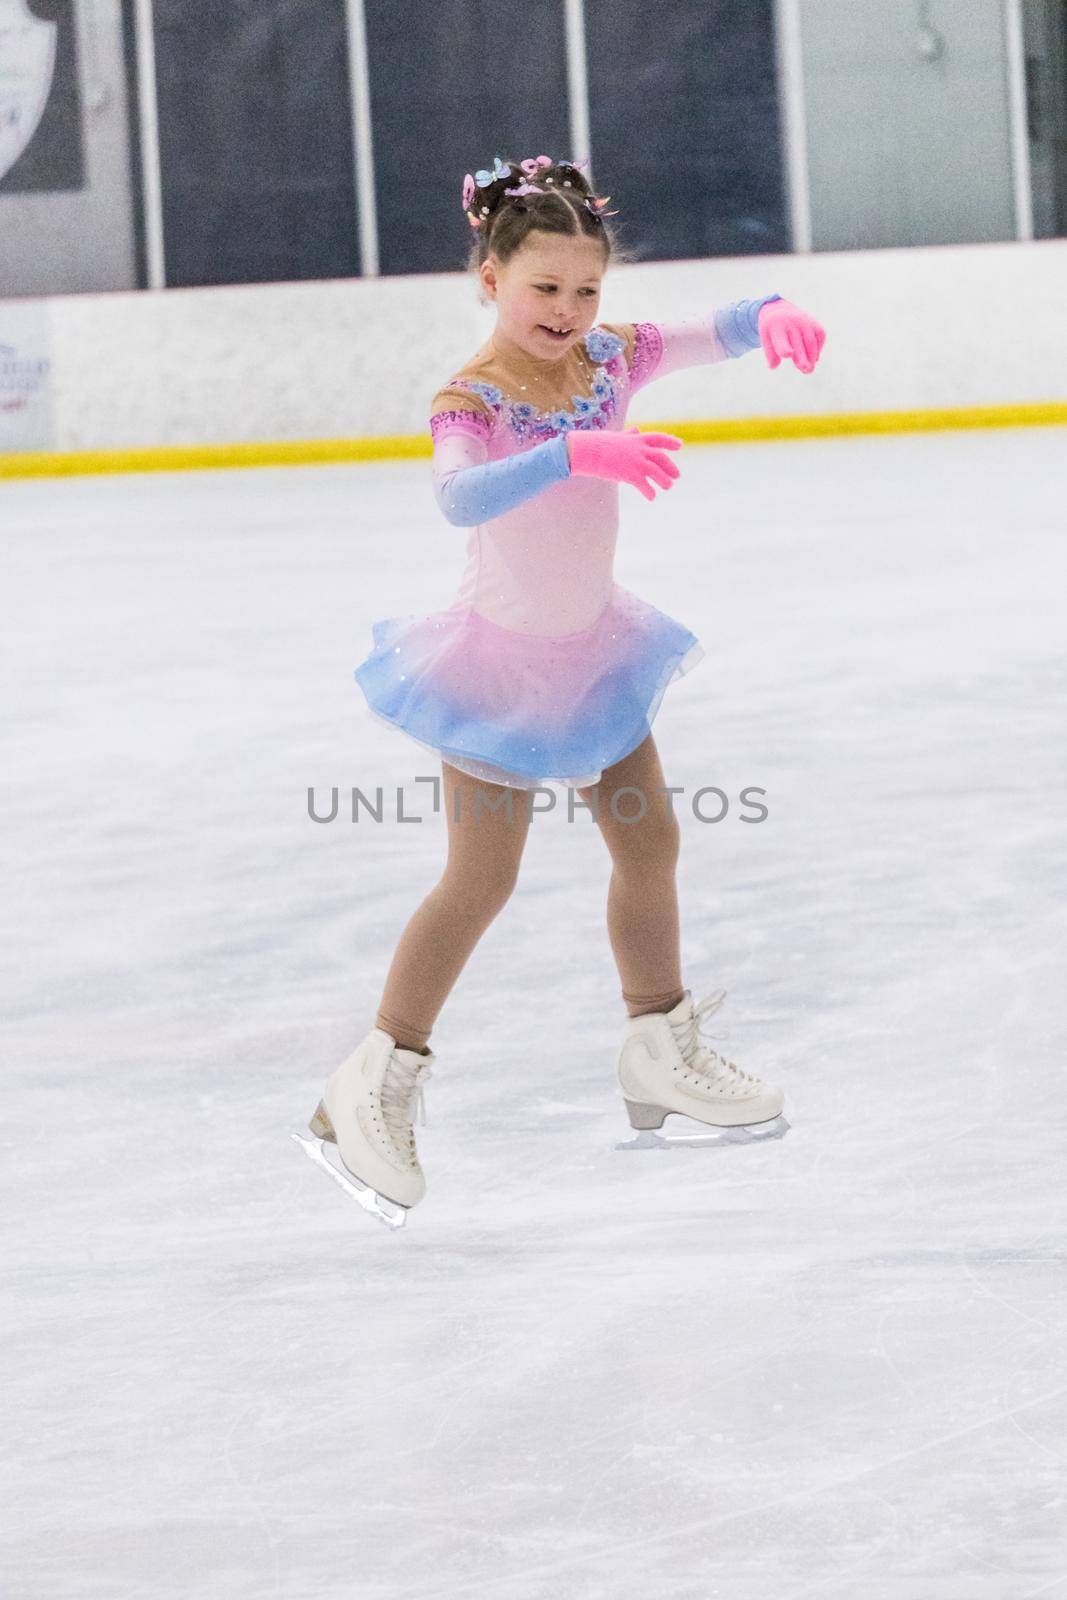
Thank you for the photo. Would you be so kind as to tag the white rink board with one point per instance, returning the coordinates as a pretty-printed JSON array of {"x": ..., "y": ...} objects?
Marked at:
[{"x": 907, "y": 329}]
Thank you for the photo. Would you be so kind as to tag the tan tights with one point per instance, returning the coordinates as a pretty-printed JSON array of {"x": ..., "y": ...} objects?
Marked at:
[{"x": 484, "y": 851}]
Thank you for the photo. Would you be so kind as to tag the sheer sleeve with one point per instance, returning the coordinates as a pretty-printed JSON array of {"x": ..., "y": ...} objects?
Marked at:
[
  {"x": 471, "y": 489},
  {"x": 660, "y": 348}
]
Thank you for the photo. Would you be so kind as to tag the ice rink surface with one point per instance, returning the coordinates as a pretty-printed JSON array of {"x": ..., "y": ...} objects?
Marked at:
[{"x": 828, "y": 1365}]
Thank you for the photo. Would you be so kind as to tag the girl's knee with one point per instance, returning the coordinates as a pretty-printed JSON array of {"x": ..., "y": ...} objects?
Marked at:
[
  {"x": 668, "y": 841},
  {"x": 653, "y": 841},
  {"x": 482, "y": 895}
]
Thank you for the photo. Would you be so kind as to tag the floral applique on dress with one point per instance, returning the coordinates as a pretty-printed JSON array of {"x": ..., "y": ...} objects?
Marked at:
[
  {"x": 589, "y": 410},
  {"x": 604, "y": 346}
]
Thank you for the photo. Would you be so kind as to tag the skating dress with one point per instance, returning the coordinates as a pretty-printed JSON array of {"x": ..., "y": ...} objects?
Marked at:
[{"x": 543, "y": 669}]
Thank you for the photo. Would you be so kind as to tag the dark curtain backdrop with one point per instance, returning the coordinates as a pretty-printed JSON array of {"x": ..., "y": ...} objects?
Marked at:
[
  {"x": 684, "y": 124},
  {"x": 256, "y": 142},
  {"x": 255, "y": 127},
  {"x": 453, "y": 84}
]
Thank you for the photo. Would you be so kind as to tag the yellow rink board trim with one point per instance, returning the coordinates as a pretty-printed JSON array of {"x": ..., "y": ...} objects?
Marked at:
[{"x": 395, "y": 447}]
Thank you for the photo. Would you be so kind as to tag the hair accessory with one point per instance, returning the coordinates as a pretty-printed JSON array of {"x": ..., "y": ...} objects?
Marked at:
[
  {"x": 485, "y": 178},
  {"x": 531, "y": 168},
  {"x": 595, "y": 205}
]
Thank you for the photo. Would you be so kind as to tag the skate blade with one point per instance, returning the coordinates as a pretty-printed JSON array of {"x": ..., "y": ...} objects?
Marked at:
[
  {"x": 362, "y": 1193},
  {"x": 744, "y": 1133}
]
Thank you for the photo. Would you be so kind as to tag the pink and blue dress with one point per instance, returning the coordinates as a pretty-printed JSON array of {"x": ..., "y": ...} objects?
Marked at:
[{"x": 543, "y": 669}]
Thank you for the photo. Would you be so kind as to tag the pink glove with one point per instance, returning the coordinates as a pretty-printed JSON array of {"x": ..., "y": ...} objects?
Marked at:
[
  {"x": 627, "y": 457},
  {"x": 785, "y": 330}
]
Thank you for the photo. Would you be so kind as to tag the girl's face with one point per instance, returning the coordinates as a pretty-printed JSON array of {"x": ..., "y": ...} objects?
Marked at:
[{"x": 552, "y": 282}]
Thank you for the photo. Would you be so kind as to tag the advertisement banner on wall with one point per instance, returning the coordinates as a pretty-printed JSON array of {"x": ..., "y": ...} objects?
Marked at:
[{"x": 27, "y": 410}]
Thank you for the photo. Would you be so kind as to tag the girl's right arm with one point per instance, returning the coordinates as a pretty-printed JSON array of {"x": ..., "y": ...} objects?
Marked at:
[{"x": 470, "y": 488}]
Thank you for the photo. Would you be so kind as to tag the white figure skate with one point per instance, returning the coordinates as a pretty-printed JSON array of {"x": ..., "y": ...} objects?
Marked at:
[
  {"x": 363, "y": 1130},
  {"x": 664, "y": 1067}
]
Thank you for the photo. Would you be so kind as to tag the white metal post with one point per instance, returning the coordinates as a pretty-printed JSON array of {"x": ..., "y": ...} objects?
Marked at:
[
  {"x": 148, "y": 126},
  {"x": 790, "y": 64},
  {"x": 1019, "y": 124},
  {"x": 362, "y": 138},
  {"x": 578, "y": 86}
]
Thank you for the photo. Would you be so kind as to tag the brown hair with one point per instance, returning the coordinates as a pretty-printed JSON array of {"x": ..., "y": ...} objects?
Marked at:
[{"x": 506, "y": 221}]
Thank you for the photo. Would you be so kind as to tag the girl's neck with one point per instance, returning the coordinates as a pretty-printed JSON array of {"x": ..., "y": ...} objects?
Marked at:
[{"x": 515, "y": 356}]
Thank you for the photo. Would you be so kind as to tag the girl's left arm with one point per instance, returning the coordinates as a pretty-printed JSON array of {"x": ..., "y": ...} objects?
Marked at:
[{"x": 656, "y": 349}]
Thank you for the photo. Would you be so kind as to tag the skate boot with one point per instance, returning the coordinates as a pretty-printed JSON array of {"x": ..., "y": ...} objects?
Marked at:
[
  {"x": 363, "y": 1126},
  {"x": 665, "y": 1067}
]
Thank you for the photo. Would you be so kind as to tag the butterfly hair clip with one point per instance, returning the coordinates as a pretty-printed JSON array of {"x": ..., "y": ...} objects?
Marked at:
[{"x": 484, "y": 178}]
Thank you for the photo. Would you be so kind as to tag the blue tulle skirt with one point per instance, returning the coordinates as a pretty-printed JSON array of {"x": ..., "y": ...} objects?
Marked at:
[{"x": 517, "y": 708}]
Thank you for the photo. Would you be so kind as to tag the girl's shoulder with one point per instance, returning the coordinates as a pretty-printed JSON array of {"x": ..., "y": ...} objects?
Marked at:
[
  {"x": 465, "y": 400},
  {"x": 474, "y": 374},
  {"x": 641, "y": 343}
]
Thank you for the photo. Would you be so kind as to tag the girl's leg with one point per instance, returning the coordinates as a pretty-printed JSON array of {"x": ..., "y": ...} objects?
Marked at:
[
  {"x": 485, "y": 845},
  {"x": 642, "y": 897}
]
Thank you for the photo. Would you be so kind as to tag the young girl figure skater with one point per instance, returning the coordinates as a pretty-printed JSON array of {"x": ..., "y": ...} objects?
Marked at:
[{"x": 544, "y": 669}]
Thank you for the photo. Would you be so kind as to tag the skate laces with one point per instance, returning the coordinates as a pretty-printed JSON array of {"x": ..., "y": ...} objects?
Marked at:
[
  {"x": 401, "y": 1085},
  {"x": 700, "y": 1056}
]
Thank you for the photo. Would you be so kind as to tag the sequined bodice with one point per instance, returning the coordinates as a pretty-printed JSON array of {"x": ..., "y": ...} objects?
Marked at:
[{"x": 529, "y": 423}]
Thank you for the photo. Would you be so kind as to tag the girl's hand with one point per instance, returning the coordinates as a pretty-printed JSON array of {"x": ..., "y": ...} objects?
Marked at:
[
  {"x": 624, "y": 457},
  {"x": 785, "y": 330}
]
